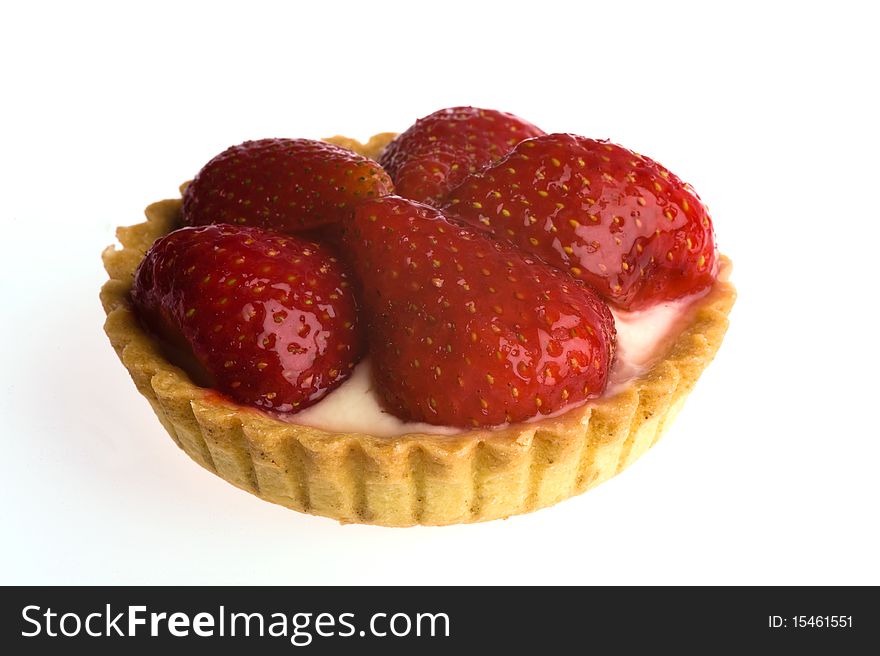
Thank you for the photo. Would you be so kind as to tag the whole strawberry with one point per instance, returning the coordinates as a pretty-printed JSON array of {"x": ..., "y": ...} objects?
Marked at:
[
  {"x": 439, "y": 150},
  {"x": 287, "y": 185},
  {"x": 270, "y": 318},
  {"x": 466, "y": 331},
  {"x": 606, "y": 215}
]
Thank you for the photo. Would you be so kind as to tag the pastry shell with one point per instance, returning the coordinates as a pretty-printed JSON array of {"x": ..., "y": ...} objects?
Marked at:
[{"x": 410, "y": 479}]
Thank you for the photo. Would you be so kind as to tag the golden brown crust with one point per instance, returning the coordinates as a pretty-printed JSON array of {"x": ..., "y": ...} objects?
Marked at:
[
  {"x": 415, "y": 478},
  {"x": 372, "y": 149}
]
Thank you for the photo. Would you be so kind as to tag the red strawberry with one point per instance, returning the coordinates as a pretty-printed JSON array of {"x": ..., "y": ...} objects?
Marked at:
[
  {"x": 270, "y": 318},
  {"x": 610, "y": 217},
  {"x": 436, "y": 153},
  {"x": 466, "y": 331},
  {"x": 284, "y": 184}
]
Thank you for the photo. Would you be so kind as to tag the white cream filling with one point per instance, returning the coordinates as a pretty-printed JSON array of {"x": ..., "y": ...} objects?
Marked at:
[
  {"x": 354, "y": 408},
  {"x": 642, "y": 337}
]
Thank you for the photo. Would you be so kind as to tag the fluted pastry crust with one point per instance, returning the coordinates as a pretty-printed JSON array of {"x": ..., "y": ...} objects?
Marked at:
[{"x": 416, "y": 478}]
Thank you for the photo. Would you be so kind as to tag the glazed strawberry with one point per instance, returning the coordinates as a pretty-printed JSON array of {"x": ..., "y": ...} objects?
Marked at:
[
  {"x": 466, "y": 331},
  {"x": 288, "y": 185},
  {"x": 608, "y": 216},
  {"x": 439, "y": 150},
  {"x": 270, "y": 318}
]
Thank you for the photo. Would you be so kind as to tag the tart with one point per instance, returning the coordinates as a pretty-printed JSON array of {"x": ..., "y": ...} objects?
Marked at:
[{"x": 411, "y": 473}]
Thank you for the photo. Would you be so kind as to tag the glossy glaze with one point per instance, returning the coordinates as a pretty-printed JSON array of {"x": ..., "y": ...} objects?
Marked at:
[
  {"x": 270, "y": 318},
  {"x": 604, "y": 214},
  {"x": 465, "y": 331},
  {"x": 289, "y": 185},
  {"x": 437, "y": 152}
]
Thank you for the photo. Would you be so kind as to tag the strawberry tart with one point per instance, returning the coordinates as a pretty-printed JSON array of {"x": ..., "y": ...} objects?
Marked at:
[{"x": 468, "y": 320}]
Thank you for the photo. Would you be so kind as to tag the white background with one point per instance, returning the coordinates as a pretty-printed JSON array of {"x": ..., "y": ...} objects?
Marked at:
[{"x": 769, "y": 476}]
